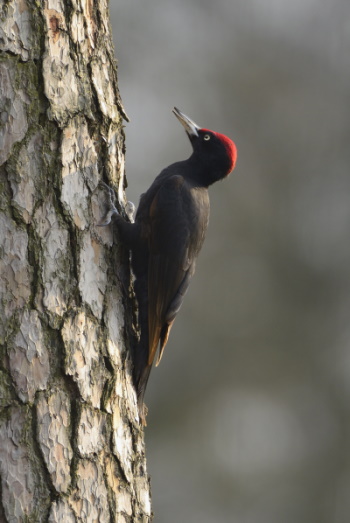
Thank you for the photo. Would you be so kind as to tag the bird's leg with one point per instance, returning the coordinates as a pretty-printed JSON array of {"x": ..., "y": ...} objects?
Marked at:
[
  {"x": 111, "y": 208},
  {"x": 129, "y": 231},
  {"x": 110, "y": 200}
]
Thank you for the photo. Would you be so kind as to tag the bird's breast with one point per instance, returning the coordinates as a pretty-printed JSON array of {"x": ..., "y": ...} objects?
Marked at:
[{"x": 199, "y": 209}]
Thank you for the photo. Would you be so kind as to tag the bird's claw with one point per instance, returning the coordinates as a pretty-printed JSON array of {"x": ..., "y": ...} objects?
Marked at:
[
  {"x": 107, "y": 219},
  {"x": 109, "y": 190},
  {"x": 110, "y": 201}
]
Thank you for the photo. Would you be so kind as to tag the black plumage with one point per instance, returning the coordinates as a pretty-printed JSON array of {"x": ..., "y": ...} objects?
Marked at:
[{"x": 166, "y": 238}]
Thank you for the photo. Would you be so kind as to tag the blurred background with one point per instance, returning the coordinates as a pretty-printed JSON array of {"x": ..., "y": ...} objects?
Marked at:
[{"x": 249, "y": 410}]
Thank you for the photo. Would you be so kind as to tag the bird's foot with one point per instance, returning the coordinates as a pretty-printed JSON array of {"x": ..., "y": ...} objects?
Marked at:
[
  {"x": 130, "y": 211},
  {"x": 110, "y": 204}
]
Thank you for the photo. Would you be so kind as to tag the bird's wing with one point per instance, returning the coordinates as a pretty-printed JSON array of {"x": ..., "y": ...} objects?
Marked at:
[{"x": 173, "y": 248}]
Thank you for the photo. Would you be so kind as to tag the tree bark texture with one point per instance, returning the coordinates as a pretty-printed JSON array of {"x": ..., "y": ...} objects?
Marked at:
[{"x": 71, "y": 447}]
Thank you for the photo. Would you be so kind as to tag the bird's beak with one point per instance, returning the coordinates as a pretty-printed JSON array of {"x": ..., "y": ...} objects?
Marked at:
[{"x": 190, "y": 127}]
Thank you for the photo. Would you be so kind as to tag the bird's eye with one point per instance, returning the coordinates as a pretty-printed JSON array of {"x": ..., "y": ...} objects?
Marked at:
[{"x": 206, "y": 137}]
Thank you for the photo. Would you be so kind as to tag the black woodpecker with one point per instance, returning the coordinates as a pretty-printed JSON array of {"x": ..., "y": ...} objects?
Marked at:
[{"x": 166, "y": 237}]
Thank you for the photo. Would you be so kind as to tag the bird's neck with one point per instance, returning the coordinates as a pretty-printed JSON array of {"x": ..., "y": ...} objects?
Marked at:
[{"x": 201, "y": 172}]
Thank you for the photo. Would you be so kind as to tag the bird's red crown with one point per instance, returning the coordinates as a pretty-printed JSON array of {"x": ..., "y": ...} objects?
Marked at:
[{"x": 230, "y": 147}]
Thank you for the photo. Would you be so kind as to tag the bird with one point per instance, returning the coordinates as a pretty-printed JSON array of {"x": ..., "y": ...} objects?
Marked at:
[{"x": 165, "y": 240}]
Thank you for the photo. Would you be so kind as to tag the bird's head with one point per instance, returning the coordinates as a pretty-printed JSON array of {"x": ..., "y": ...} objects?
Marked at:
[{"x": 214, "y": 151}]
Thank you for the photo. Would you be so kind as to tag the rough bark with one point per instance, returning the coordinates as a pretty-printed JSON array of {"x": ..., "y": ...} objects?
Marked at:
[{"x": 71, "y": 447}]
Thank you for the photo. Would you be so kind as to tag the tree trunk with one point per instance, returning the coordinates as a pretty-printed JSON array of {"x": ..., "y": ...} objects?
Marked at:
[{"x": 71, "y": 447}]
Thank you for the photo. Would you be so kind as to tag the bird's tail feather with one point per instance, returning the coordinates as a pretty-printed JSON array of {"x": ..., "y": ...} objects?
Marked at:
[
  {"x": 142, "y": 370},
  {"x": 141, "y": 385}
]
